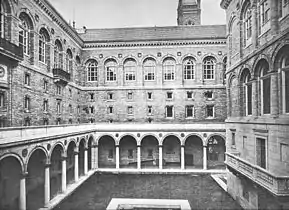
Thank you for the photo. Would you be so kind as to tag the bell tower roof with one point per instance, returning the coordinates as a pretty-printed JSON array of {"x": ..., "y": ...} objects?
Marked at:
[{"x": 189, "y": 12}]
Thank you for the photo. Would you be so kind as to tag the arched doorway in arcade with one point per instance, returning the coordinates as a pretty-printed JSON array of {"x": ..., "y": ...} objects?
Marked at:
[
  {"x": 81, "y": 149},
  {"x": 194, "y": 152},
  {"x": 70, "y": 163},
  {"x": 56, "y": 171},
  {"x": 216, "y": 149},
  {"x": 106, "y": 152},
  {"x": 149, "y": 152},
  {"x": 128, "y": 152},
  {"x": 171, "y": 152},
  {"x": 10, "y": 175},
  {"x": 89, "y": 153},
  {"x": 35, "y": 179}
]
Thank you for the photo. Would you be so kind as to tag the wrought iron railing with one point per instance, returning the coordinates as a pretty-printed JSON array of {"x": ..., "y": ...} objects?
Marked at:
[
  {"x": 11, "y": 49},
  {"x": 279, "y": 185}
]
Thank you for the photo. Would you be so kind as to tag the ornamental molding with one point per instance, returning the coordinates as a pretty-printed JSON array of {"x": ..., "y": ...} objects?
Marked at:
[
  {"x": 225, "y": 3},
  {"x": 156, "y": 44},
  {"x": 58, "y": 19}
]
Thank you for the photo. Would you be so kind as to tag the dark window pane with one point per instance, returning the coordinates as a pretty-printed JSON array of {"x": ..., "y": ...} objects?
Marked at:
[{"x": 266, "y": 95}]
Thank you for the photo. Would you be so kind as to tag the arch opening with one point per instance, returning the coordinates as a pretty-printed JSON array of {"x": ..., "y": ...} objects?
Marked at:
[
  {"x": 194, "y": 152},
  {"x": 216, "y": 149},
  {"x": 70, "y": 163},
  {"x": 106, "y": 152},
  {"x": 56, "y": 171},
  {"x": 89, "y": 153},
  {"x": 149, "y": 152},
  {"x": 128, "y": 152},
  {"x": 10, "y": 175},
  {"x": 171, "y": 152},
  {"x": 81, "y": 158},
  {"x": 35, "y": 179}
]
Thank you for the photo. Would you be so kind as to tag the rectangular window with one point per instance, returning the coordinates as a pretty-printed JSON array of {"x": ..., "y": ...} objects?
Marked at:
[
  {"x": 110, "y": 96},
  {"x": 78, "y": 109},
  {"x": 284, "y": 153},
  {"x": 150, "y": 110},
  {"x": 169, "y": 95},
  {"x": 45, "y": 105},
  {"x": 130, "y": 154},
  {"x": 189, "y": 95},
  {"x": 210, "y": 111},
  {"x": 129, "y": 95},
  {"x": 149, "y": 73},
  {"x": 45, "y": 85},
  {"x": 91, "y": 96},
  {"x": 261, "y": 153},
  {"x": 169, "y": 72},
  {"x": 70, "y": 93},
  {"x": 129, "y": 73},
  {"x": 27, "y": 122},
  {"x": 2, "y": 99},
  {"x": 130, "y": 110},
  {"x": 92, "y": 109},
  {"x": 150, "y": 153},
  {"x": 264, "y": 12},
  {"x": 209, "y": 95},
  {"x": 233, "y": 139},
  {"x": 110, "y": 154},
  {"x": 45, "y": 121},
  {"x": 169, "y": 111},
  {"x": 27, "y": 103},
  {"x": 58, "y": 107},
  {"x": 110, "y": 110},
  {"x": 149, "y": 95},
  {"x": 111, "y": 73},
  {"x": 266, "y": 95},
  {"x": 190, "y": 111},
  {"x": 58, "y": 90},
  {"x": 27, "y": 79}
]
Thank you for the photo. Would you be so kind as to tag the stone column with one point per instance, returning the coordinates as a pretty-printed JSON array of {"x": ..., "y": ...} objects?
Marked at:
[
  {"x": 117, "y": 156},
  {"x": 63, "y": 175},
  {"x": 47, "y": 185},
  {"x": 75, "y": 166},
  {"x": 95, "y": 154},
  {"x": 205, "y": 162},
  {"x": 255, "y": 98},
  {"x": 182, "y": 157},
  {"x": 160, "y": 156},
  {"x": 138, "y": 157},
  {"x": 85, "y": 161},
  {"x": 274, "y": 94},
  {"x": 22, "y": 194}
]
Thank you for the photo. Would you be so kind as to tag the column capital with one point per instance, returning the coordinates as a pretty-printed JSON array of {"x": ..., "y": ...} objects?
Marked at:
[
  {"x": 182, "y": 145},
  {"x": 160, "y": 145},
  {"x": 95, "y": 146},
  {"x": 117, "y": 145},
  {"x": 47, "y": 165},
  {"x": 75, "y": 152},
  {"x": 23, "y": 175},
  {"x": 138, "y": 146}
]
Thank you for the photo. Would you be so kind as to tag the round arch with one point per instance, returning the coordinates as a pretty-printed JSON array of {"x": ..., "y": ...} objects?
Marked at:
[
  {"x": 277, "y": 55},
  {"x": 128, "y": 151},
  {"x": 168, "y": 57},
  {"x": 215, "y": 134},
  {"x": 44, "y": 28},
  {"x": 35, "y": 149},
  {"x": 125, "y": 135},
  {"x": 193, "y": 134},
  {"x": 16, "y": 156},
  {"x": 171, "y": 152},
  {"x": 170, "y": 134},
  {"x": 28, "y": 16},
  {"x": 122, "y": 62},
  {"x": 187, "y": 56},
  {"x": 149, "y": 57},
  {"x": 106, "y": 151},
  {"x": 193, "y": 151},
  {"x": 100, "y": 137},
  {"x": 150, "y": 134},
  {"x": 110, "y": 58},
  {"x": 59, "y": 143},
  {"x": 261, "y": 58}
]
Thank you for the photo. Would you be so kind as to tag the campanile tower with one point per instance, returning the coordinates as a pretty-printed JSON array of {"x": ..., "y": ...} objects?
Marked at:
[{"x": 189, "y": 12}]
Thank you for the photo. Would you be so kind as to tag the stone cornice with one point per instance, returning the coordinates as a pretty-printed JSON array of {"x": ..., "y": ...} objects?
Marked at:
[
  {"x": 225, "y": 3},
  {"x": 153, "y": 43},
  {"x": 58, "y": 19}
]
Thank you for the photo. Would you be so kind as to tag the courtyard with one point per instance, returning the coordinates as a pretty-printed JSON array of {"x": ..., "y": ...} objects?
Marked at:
[{"x": 199, "y": 189}]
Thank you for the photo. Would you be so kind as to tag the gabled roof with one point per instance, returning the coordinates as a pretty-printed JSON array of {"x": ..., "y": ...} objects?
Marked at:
[{"x": 155, "y": 33}]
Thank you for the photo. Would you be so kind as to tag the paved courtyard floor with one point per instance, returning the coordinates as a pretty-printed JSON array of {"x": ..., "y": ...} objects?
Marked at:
[{"x": 200, "y": 190}]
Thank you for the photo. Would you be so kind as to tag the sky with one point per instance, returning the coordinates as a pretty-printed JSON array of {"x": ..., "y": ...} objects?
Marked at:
[{"x": 131, "y": 13}]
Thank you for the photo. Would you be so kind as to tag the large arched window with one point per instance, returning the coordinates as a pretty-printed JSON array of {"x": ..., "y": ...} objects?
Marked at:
[
  {"x": 247, "y": 22},
  {"x": 130, "y": 70},
  {"x": 149, "y": 68},
  {"x": 92, "y": 71},
  {"x": 247, "y": 92},
  {"x": 265, "y": 86},
  {"x": 58, "y": 60},
  {"x": 111, "y": 68},
  {"x": 69, "y": 61},
  {"x": 209, "y": 65},
  {"x": 189, "y": 68},
  {"x": 43, "y": 48},
  {"x": 24, "y": 32},
  {"x": 169, "y": 68}
]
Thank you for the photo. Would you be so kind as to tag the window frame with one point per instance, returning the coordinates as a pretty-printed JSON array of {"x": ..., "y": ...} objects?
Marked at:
[
  {"x": 169, "y": 69},
  {"x": 42, "y": 48},
  {"x": 207, "y": 106},
  {"x": 92, "y": 71},
  {"x": 189, "y": 74},
  {"x": 172, "y": 111},
  {"x": 209, "y": 65},
  {"x": 192, "y": 107},
  {"x": 149, "y": 69},
  {"x": 130, "y": 70},
  {"x": 111, "y": 71},
  {"x": 24, "y": 36},
  {"x": 2, "y": 20}
]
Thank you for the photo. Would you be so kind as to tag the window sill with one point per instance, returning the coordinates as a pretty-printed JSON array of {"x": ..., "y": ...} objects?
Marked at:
[
  {"x": 190, "y": 118},
  {"x": 283, "y": 17},
  {"x": 27, "y": 111},
  {"x": 28, "y": 87},
  {"x": 210, "y": 118},
  {"x": 43, "y": 63}
]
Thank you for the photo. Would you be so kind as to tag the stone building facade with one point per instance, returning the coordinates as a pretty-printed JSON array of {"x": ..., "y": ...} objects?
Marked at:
[{"x": 257, "y": 90}]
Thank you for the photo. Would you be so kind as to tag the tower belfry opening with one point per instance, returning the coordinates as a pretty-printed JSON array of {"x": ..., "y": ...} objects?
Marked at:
[{"x": 189, "y": 12}]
